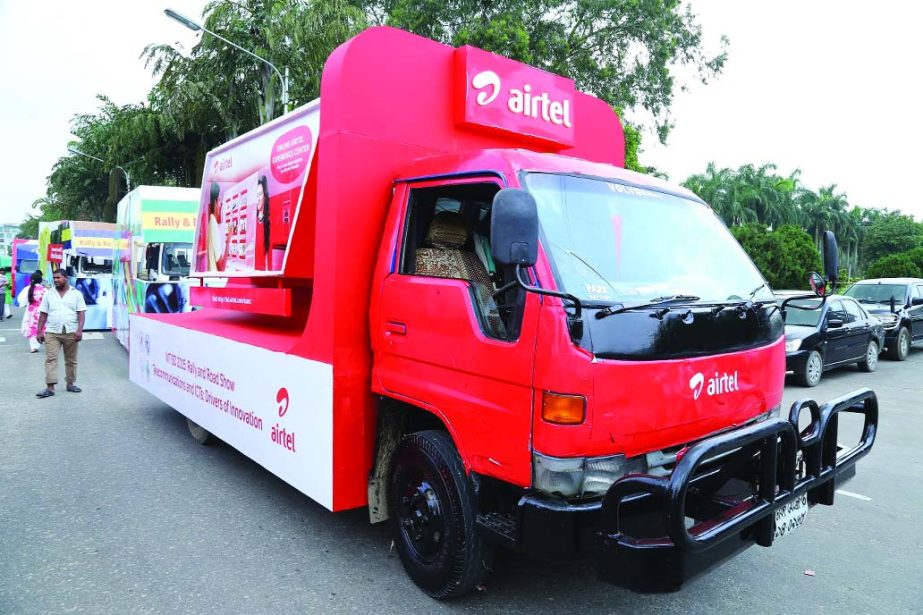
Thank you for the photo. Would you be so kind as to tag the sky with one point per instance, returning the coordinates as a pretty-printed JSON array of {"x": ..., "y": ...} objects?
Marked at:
[{"x": 828, "y": 87}]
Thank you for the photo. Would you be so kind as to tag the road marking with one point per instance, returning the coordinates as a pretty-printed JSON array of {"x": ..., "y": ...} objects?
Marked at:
[
  {"x": 92, "y": 336},
  {"x": 2, "y": 339},
  {"x": 854, "y": 495}
]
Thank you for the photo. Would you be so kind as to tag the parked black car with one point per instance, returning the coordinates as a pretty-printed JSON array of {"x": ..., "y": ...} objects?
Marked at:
[
  {"x": 837, "y": 333},
  {"x": 898, "y": 303}
]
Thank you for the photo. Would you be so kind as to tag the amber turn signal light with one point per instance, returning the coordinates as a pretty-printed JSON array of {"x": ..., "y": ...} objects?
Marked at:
[{"x": 563, "y": 409}]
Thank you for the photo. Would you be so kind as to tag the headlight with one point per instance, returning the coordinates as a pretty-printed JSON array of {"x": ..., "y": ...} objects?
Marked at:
[
  {"x": 572, "y": 477},
  {"x": 889, "y": 321},
  {"x": 792, "y": 345}
]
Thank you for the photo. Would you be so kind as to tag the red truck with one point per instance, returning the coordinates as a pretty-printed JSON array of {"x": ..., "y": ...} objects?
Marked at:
[{"x": 438, "y": 294}]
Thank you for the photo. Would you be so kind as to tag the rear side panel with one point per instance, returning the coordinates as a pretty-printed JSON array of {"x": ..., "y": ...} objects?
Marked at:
[{"x": 273, "y": 407}]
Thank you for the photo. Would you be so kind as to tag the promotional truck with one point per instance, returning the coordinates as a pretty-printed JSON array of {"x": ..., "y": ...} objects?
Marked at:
[
  {"x": 446, "y": 300},
  {"x": 155, "y": 226},
  {"x": 84, "y": 249},
  {"x": 25, "y": 261}
]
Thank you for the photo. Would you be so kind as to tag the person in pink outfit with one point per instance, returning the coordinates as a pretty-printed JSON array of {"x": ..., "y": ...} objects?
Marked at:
[{"x": 33, "y": 295}]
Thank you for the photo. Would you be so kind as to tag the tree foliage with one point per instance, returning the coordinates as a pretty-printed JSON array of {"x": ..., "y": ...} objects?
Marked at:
[
  {"x": 758, "y": 194},
  {"x": 890, "y": 233},
  {"x": 622, "y": 51},
  {"x": 785, "y": 256},
  {"x": 217, "y": 92},
  {"x": 894, "y": 266}
]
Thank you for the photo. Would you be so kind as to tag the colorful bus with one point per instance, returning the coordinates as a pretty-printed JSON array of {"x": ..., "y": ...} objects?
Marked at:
[
  {"x": 84, "y": 249},
  {"x": 25, "y": 261},
  {"x": 155, "y": 227}
]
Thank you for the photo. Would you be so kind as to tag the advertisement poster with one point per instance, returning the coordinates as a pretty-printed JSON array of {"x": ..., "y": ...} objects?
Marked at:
[
  {"x": 251, "y": 188},
  {"x": 275, "y": 408},
  {"x": 97, "y": 294},
  {"x": 45, "y": 232}
]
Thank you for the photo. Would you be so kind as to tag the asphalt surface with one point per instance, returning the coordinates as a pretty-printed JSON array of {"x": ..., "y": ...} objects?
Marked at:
[{"x": 107, "y": 505}]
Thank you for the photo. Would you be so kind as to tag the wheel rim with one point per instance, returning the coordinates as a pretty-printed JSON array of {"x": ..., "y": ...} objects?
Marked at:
[
  {"x": 904, "y": 345},
  {"x": 421, "y": 517},
  {"x": 815, "y": 366},
  {"x": 871, "y": 355}
]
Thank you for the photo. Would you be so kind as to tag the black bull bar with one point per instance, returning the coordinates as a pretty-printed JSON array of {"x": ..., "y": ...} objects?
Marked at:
[{"x": 764, "y": 454}]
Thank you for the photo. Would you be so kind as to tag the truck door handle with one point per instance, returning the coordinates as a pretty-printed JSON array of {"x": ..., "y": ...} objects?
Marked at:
[{"x": 395, "y": 328}]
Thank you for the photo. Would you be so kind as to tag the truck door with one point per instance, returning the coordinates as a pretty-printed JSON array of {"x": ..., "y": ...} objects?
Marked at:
[{"x": 441, "y": 342}]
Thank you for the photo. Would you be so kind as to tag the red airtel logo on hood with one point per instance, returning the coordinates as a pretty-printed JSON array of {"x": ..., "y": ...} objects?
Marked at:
[{"x": 506, "y": 96}]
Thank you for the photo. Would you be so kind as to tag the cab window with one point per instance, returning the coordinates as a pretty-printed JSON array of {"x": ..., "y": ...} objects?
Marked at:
[{"x": 447, "y": 235}]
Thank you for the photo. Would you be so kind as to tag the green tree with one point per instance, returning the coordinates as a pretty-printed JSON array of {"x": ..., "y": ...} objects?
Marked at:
[
  {"x": 785, "y": 256},
  {"x": 890, "y": 233},
  {"x": 800, "y": 257},
  {"x": 216, "y": 92},
  {"x": 915, "y": 256},
  {"x": 894, "y": 266},
  {"x": 764, "y": 248},
  {"x": 622, "y": 51}
]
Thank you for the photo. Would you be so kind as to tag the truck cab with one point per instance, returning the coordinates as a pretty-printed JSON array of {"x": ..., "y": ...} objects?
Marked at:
[{"x": 163, "y": 261}]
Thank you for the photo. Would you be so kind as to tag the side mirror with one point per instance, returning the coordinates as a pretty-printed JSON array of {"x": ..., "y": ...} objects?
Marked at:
[
  {"x": 834, "y": 323},
  {"x": 818, "y": 283},
  {"x": 831, "y": 257},
  {"x": 514, "y": 228},
  {"x": 916, "y": 301}
]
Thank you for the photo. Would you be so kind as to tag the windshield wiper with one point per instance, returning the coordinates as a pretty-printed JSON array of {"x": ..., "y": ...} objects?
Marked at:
[
  {"x": 656, "y": 302},
  {"x": 576, "y": 256}
]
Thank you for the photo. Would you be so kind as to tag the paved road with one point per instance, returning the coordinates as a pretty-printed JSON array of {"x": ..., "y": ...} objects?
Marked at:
[{"x": 107, "y": 505}]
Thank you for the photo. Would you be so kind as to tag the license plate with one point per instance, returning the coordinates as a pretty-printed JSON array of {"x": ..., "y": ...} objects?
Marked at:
[{"x": 790, "y": 517}]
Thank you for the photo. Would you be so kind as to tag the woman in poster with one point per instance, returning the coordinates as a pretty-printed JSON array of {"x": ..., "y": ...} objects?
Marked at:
[
  {"x": 262, "y": 214},
  {"x": 31, "y": 297},
  {"x": 215, "y": 238}
]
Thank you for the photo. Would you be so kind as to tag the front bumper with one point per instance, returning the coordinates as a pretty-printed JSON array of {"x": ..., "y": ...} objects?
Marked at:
[
  {"x": 796, "y": 361},
  {"x": 652, "y": 533}
]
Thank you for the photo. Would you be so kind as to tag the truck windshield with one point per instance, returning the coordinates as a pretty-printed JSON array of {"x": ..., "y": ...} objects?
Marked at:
[
  {"x": 175, "y": 259},
  {"x": 613, "y": 243},
  {"x": 27, "y": 266},
  {"x": 877, "y": 293},
  {"x": 95, "y": 264}
]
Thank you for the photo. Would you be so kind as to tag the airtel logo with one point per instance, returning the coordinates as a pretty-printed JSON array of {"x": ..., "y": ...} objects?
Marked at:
[
  {"x": 486, "y": 79},
  {"x": 522, "y": 101},
  {"x": 717, "y": 385}
]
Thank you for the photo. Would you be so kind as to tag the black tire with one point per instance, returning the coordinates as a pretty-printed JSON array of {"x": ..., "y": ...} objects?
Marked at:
[
  {"x": 813, "y": 370},
  {"x": 433, "y": 511},
  {"x": 199, "y": 433},
  {"x": 870, "y": 362},
  {"x": 901, "y": 346}
]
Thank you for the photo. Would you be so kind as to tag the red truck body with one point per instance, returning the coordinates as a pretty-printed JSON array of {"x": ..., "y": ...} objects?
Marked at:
[{"x": 318, "y": 340}]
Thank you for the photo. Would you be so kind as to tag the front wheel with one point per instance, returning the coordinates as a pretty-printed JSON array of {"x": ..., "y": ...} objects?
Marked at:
[
  {"x": 870, "y": 362},
  {"x": 433, "y": 511},
  {"x": 901, "y": 347},
  {"x": 813, "y": 368}
]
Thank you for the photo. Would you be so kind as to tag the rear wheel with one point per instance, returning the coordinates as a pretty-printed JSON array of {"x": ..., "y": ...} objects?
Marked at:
[
  {"x": 813, "y": 368},
  {"x": 199, "y": 433},
  {"x": 901, "y": 346},
  {"x": 433, "y": 511},
  {"x": 870, "y": 362}
]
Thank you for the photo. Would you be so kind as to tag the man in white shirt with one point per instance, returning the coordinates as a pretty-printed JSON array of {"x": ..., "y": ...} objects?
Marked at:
[{"x": 60, "y": 324}]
